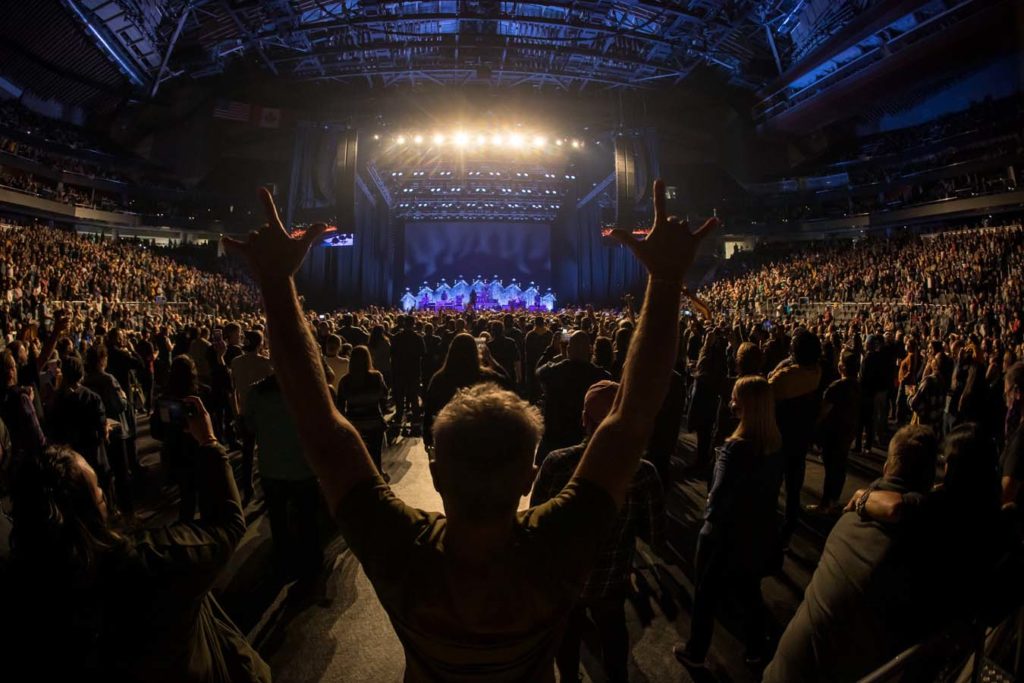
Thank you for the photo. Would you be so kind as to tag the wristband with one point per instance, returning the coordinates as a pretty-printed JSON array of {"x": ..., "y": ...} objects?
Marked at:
[
  {"x": 212, "y": 441},
  {"x": 861, "y": 506}
]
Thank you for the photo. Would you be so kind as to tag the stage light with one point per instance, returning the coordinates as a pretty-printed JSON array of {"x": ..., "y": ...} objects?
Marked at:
[
  {"x": 418, "y": 139},
  {"x": 497, "y": 140},
  {"x": 461, "y": 139},
  {"x": 575, "y": 144},
  {"x": 438, "y": 138},
  {"x": 376, "y": 136},
  {"x": 400, "y": 139},
  {"x": 481, "y": 139},
  {"x": 559, "y": 142},
  {"x": 539, "y": 141},
  {"x": 515, "y": 140}
]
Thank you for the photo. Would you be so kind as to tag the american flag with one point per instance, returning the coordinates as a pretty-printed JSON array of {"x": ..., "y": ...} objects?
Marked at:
[{"x": 231, "y": 110}]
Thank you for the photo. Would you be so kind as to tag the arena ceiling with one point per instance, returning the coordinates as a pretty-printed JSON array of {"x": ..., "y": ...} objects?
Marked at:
[{"x": 775, "y": 50}]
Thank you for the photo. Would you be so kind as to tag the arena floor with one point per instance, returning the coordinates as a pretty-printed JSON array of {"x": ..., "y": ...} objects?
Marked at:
[
  {"x": 343, "y": 634},
  {"x": 340, "y": 632}
]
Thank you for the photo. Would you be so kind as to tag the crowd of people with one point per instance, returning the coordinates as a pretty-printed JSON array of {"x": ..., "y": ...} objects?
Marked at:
[{"x": 582, "y": 409}]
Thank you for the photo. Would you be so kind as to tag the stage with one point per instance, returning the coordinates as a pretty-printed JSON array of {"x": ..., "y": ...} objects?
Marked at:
[{"x": 482, "y": 294}]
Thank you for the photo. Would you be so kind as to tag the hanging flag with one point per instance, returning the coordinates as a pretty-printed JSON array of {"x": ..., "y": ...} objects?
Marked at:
[
  {"x": 230, "y": 110},
  {"x": 266, "y": 117}
]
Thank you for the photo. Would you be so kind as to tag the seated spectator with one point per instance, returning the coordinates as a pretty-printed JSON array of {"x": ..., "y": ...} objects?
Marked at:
[
  {"x": 738, "y": 541},
  {"x": 642, "y": 515},
  {"x": 122, "y": 607},
  {"x": 869, "y": 598}
]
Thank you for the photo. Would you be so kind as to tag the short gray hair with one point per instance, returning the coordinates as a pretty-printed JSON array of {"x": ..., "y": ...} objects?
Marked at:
[{"x": 484, "y": 437}]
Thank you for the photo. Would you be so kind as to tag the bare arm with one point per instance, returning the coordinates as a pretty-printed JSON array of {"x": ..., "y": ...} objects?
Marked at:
[
  {"x": 1010, "y": 490},
  {"x": 614, "y": 451},
  {"x": 331, "y": 445}
]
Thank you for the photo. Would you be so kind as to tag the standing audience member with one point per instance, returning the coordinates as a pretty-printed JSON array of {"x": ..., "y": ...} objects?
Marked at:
[
  {"x": 407, "y": 351},
  {"x": 380, "y": 353},
  {"x": 134, "y": 607},
  {"x": 246, "y": 370},
  {"x": 178, "y": 450},
  {"x": 18, "y": 412},
  {"x": 335, "y": 361},
  {"x": 482, "y": 591},
  {"x": 709, "y": 379},
  {"x": 461, "y": 369},
  {"x": 737, "y": 543},
  {"x": 362, "y": 395},
  {"x": 537, "y": 340},
  {"x": 565, "y": 383},
  {"x": 127, "y": 368},
  {"x": 1011, "y": 462},
  {"x": 837, "y": 428},
  {"x": 874, "y": 386},
  {"x": 115, "y": 405},
  {"x": 78, "y": 420},
  {"x": 928, "y": 401},
  {"x": 504, "y": 351},
  {"x": 795, "y": 385},
  {"x": 289, "y": 487},
  {"x": 870, "y": 597},
  {"x": 642, "y": 515}
]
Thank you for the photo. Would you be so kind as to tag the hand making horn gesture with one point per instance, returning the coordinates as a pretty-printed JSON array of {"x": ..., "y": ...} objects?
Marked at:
[
  {"x": 669, "y": 248},
  {"x": 273, "y": 255}
]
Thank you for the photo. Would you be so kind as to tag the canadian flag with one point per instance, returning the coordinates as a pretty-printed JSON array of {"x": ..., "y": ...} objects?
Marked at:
[{"x": 267, "y": 117}]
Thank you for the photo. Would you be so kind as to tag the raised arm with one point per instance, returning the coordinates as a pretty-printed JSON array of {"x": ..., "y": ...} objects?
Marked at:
[
  {"x": 668, "y": 251},
  {"x": 331, "y": 444}
]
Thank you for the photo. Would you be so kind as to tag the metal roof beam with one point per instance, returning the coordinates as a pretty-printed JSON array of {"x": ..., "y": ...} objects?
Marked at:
[{"x": 252, "y": 40}]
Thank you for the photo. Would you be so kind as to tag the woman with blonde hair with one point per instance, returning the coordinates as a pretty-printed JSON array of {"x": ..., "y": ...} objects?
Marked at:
[{"x": 738, "y": 543}]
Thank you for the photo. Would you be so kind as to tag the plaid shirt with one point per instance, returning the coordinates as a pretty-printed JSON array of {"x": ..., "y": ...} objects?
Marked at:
[{"x": 643, "y": 514}]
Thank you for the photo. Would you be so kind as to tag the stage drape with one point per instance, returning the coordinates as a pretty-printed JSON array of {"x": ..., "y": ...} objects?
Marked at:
[
  {"x": 589, "y": 270},
  {"x": 342, "y": 277}
]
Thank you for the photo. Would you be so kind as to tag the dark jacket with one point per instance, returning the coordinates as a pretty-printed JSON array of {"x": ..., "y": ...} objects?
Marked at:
[
  {"x": 148, "y": 615},
  {"x": 870, "y": 598},
  {"x": 741, "y": 515},
  {"x": 565, "y": 384}
]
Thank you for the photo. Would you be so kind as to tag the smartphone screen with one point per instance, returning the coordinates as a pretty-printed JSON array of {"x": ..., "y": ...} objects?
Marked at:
[{"x": 171, "y": 412}]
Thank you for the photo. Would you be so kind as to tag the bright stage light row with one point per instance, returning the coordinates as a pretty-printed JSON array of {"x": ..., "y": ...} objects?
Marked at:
[{"x": 462, "y": 139}]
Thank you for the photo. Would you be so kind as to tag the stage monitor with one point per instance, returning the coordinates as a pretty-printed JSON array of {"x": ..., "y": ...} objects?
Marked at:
[{"x": 435, "y": 250}]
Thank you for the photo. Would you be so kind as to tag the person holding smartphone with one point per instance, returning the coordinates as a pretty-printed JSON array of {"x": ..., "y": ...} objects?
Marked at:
[
  {"x": 178, "y": 450},
  {"x": 123, "y": 606}
]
